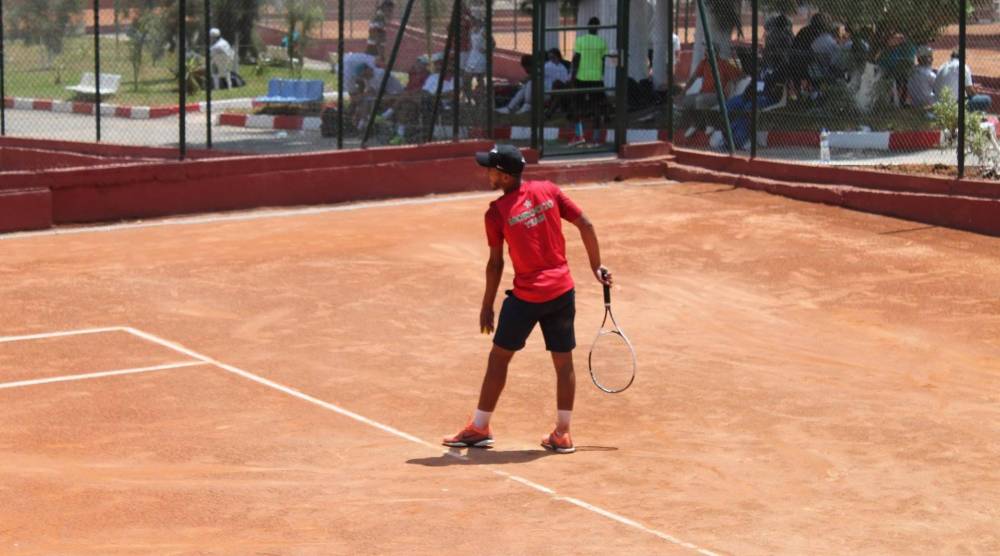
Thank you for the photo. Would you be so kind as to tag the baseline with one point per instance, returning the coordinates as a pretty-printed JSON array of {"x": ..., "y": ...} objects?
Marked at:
[
  {"x": 44, "y": 335},
  {"x": 102, "y": 374},
  {"x": 416, "y": 440}
]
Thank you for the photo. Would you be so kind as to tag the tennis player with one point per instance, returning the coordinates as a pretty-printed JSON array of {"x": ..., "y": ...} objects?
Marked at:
[{"x": 528, "y": 217}]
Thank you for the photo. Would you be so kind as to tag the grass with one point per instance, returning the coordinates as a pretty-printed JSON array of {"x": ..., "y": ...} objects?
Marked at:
[{"x": 28, "y": 74}]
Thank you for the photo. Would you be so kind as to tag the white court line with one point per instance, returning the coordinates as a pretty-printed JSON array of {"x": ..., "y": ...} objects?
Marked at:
[
  {"x": 391, "y": 430},
  {"x": 43, "y": 336},
  {"x": 264, "y": 213},
  {"x": 69, "y": 378}
]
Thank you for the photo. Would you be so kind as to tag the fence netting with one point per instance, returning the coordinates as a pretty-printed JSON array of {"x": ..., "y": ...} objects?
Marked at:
[{"x": 860, "y": 83}]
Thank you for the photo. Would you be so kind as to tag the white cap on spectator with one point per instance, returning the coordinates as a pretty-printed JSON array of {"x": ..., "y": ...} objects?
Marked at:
[
  {"x": 214, "y": 32},
  {"x": 437, "y": 57}
]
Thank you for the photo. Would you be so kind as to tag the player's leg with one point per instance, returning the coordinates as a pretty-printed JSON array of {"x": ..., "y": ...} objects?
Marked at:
[
  {"x": 560, "y": 339},
  {"x": 565, "y": 387},
  {"x": 517, "y": 319},
  {"x": 495, "y": 379}
]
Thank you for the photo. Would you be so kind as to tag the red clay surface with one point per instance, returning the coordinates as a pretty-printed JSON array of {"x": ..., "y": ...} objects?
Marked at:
[
  {"x": 87, "y": 353},
  {"x": 812, "y": 381}
]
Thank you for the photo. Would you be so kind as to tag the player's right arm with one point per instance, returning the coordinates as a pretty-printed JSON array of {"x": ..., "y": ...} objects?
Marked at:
[
  {"x": 494, "y": 273},
  {"x": 589, "y": 236}
]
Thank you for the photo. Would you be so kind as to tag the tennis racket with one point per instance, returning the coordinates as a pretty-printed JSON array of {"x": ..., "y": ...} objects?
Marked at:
[{"x": 612, "y": 360}]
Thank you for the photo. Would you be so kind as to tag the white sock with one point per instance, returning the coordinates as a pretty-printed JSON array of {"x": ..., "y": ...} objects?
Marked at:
[
  {"x": 562, "y": 419},
  {"x": 401, "y": 130},
  {"x": 482, "y": 419},
  {"x": 387, "y": 114}
]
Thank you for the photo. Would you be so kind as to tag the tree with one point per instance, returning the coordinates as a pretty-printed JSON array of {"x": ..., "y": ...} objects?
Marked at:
[
  {"x": 144, "y": 33},
  {"x": 236, "y": 20},
  {"x": 43, "y": 22},
  {"x": 301, "y": 18}
]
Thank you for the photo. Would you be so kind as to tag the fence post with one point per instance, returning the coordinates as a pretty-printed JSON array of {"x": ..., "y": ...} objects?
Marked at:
[
  {"x": 670, "y": 67},
  {"x": 181, "y": 74},
  {"x": 621, "y": 75},
  {"x": 388, "y": 69},
  {"x": 449, "y": 41},
  {"x": 537, "y": 91},
  {"x": 457, "y": 69},
  {"x": 208, "y": 74},
  {"x": 97, "y": 68},
  {"x": 713, "y": 62},
  {"x": 3, "y": 90},
  {"x": 516, "y": 9},
  {"x": 340, "y": 74},
  {"x": 489, "y": 69},
  {"x": 755, "y": 73},
  {"x": 963, "y": 6}
]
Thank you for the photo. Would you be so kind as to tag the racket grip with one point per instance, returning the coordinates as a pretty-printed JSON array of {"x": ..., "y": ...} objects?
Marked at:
[{"x": 607, "y": 289}]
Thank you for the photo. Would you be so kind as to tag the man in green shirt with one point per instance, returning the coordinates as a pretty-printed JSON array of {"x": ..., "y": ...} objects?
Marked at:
[{"x": 589, "y": 52}]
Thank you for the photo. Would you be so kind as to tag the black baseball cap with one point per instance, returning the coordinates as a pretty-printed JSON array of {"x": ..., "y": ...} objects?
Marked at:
[{"x": 506, "y": 158}]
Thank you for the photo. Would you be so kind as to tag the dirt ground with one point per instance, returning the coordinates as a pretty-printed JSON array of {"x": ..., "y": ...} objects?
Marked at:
[{"x": 811, "y": 381}]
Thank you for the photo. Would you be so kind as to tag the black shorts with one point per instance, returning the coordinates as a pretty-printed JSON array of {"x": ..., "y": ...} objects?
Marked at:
[{"x": 518, "y": 318}]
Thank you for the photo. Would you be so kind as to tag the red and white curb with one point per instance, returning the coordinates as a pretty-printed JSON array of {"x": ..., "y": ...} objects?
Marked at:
[
  {"x": 87, "y": 108},
  {"x": 262, "y": 121},
  {"x": 131, "y": 112},
  {"x": 847, "y": 140}
]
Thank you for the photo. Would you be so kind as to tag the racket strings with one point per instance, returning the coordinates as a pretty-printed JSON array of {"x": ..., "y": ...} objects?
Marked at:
[{"x": 612, "y": 359}]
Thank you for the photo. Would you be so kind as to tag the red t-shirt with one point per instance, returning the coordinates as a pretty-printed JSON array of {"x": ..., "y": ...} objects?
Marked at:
[{"x": 529, "y": 220}]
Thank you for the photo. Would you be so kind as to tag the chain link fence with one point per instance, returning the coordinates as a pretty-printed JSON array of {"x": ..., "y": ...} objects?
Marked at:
[{"x": 872, "y": 84}]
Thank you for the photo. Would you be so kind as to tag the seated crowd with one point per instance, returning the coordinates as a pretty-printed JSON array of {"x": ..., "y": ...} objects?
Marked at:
[{"x": 803, "y": 65}]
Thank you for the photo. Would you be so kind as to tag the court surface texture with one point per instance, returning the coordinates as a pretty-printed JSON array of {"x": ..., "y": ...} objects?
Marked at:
[{"x": 811, "y": 381}]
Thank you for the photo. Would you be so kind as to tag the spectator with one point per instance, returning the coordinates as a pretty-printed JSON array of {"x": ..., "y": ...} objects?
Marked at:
[
  {"x": 778, "y": 40},
  {"x": 373, "y": 80},
  {"x": 699, "y": 93},
  {"x": 826, "y": 51},
  {"x": 475, "y": 61},
  {"x": 466, "y": 24},
  {"x": 354, "y": 62},
  {"x": 407, "y": 105},
  {"x": 920, "y": 86},
  {"x": 947, "y": 76},
  {"x": 589, "y": 52},
  {"x": 417, "y": 74},
  {"x": 896, "y": 61},
  {"x": 802, "y": 57},
  {"x": 290, "y": 42},
  {"x": 377, "y": 26},
  {"x": 676, "y": 44},
  {"x": 431, "y": 83},
  {"x": 555, "y": 75},
  {"x": 223, "y": 58}
]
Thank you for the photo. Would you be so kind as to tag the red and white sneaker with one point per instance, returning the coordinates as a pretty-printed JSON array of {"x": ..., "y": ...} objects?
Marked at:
[
  {"x": 470, "y": 437},
  {"x": 559, "y": 443}
]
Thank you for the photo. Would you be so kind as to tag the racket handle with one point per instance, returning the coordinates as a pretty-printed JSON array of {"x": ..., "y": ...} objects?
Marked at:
[{"x": 607, "y": 289}]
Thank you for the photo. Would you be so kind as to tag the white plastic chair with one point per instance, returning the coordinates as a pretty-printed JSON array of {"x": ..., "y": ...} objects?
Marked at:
[{"x": 222, "y": 69}]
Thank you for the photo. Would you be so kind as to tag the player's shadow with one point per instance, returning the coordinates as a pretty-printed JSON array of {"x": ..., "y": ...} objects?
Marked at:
[{"x": 478, "y": 456}]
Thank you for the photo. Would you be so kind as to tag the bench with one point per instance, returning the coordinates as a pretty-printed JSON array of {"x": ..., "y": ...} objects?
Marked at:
[
  {"x": 88, "y": 85},
  {"x": 293, "y": 91}
]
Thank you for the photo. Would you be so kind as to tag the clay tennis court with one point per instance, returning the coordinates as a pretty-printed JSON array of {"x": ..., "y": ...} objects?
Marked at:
[{"x": 811, "y": 381}]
